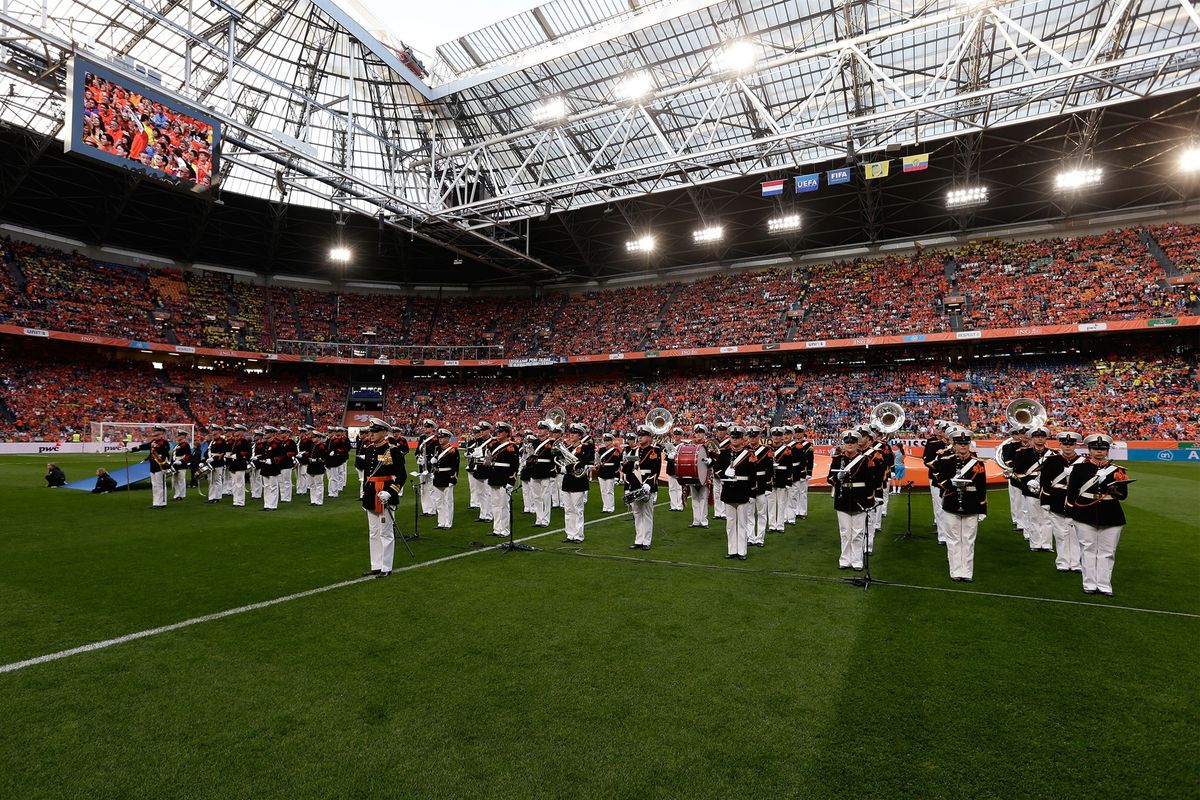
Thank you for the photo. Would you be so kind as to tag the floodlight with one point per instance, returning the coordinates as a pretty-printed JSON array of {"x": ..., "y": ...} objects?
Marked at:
[
  {"x": 1071, "y": 179},
  {"x": 643, "y": 244},
  {"x": 968, "y": 196},
  {"x": 1189, "y": 159},
  {"x": 341, "y": 255},
  {"x": 634, "y": 87},
  {"x": 713, "y": 233},
  {"x": 737, "y": 58},
  {"x": 552, "y": 111},
  {"x": 784, "y": 224}
]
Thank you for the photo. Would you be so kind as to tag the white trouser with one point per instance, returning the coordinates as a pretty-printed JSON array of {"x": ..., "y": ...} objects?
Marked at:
[
  {"x": 758, "y": 531},
  {"x": 473, "y": 491},
  {"x": 874, "y": 521},
  {"x": 960, "y": 544},
  {"x": 340, "y": 472},
  {"x": 674, "y": 493},
  {"x": 1039, "y": 527},
  {"x": 1066, "y": 541},
  {"x": 216, "y": 479},
  {"x": 285, "y": 486},
  {"x": 540, "y": 501},
  {"x": 226, "y": 481},
  {"x": 179, "y": 484},
  {"x": 270, "y": 493},
  {"x": 484, "y": 496},
  {"x": 852, "y": 530},
  {"x": 643, "y": 521},
  {"x": 158, "y": 485},
  {"x": 444, "y": 501},
  {"x": 700, "y": 505},
  {"x": 361, "y": 477},
  {"x": 382, "y": 539},
  {"x": 939, "y": 516},
  {"x": 1016, "y": 507},
  {"x": 801, "y": 497},
  {"x": 738, "y": 520},
  {"x": 316, "y": 490},
  {"x": 302, "y": 479},
  {"x": 237, "y": 485},
  {"x": 718, "y": 504},
  {"x": 556, "y": 491},
  {"x": 777, "y": 504},
  {"x": 608, "y": 494},
  {"x": 256, "y": 483},
  {"x": 573, "y": 504},
  {"x": 886, "y": 493},
  {"x": 1098, "y": 550},
  {"x": 428, "y": 505},
  {"x": 501, "y": 519}
]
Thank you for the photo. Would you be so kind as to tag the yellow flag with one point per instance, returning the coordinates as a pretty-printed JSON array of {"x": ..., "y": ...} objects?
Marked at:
[{"x": 877, "y": 169}]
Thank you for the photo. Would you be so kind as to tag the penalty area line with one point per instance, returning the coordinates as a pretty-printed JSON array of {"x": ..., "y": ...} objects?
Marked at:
[{"x": 130, "y": 637}]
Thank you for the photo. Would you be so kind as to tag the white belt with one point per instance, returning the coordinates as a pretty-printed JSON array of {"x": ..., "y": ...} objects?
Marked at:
[
  {"x": 739, "y": 478},
  {"x": 445, "y": 469},
  {"x": 544, "y": 460},
  {"x": 858, "y": 485}
]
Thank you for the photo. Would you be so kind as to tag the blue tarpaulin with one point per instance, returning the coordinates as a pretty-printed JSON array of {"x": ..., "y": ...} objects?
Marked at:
[{"x": 123, "y": 477}]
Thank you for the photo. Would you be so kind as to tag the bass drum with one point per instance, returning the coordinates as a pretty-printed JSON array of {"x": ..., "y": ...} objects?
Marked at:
[{"x": 690, "y": 469}]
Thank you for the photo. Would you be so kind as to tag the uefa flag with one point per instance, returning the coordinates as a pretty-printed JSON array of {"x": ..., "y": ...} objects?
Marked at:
[
  {"x": 808, "y": 183},
  {"x": 876, "y": 169},
  {"x": 772, "y": 188},
  {"x": 916, "y": 163}
]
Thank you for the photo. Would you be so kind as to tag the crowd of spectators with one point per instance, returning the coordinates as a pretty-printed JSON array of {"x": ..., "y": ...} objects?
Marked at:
[
  {"x": 730, "y": 309},
  {"x": 1181, "y": 243},
  {"x": 888, "y": 295},
  {"x": 609, "y": 321}
]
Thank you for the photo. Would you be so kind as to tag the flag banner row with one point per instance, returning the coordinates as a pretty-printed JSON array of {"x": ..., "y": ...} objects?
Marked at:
[{"x": 871, "y": 171}]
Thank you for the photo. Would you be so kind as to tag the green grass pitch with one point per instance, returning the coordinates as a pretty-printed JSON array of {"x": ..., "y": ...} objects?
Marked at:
[{"x": 602, "y": 672}]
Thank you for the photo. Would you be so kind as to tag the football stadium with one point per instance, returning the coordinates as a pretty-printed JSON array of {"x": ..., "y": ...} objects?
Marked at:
[{"x": 605, "y": 398}]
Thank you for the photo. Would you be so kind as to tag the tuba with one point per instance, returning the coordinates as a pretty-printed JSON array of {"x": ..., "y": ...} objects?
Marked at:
[
  {"x": 1026, "y": 413},
  {"x": 659, "y": 421},
  {"x": 557, "y": 416},
  {"x": 887, "y": 417}
]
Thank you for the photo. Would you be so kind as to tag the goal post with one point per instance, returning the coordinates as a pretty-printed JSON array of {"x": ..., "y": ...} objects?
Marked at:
[{"x": 138, "y": 432}]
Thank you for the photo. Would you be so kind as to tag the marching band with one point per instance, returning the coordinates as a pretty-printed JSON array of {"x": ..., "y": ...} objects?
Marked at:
[{"x": 755, "y": 478}]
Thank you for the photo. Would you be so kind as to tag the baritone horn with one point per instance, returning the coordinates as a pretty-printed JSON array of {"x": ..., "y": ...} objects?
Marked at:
[
  {"x": 1026, "y": 413},
  {"x": 888, "y": 417}
]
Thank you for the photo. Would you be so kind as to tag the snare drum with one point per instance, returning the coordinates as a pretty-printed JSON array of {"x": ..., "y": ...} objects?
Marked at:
[{"x": 690, "y": 469}]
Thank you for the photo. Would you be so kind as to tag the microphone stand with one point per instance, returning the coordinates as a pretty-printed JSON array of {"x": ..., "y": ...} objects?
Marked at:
[
  {"x": 908, "y": 531},
  {"x": 512, "y": 546}
]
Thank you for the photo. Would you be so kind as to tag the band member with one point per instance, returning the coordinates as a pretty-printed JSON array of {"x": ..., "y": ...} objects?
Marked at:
[
  {"x": 256, "y": 481},
  {"x": 540, "y": 469},
  {"x": 236, "y": 463},
  {"x": 380, "y": 494},
  {"x": 445, "y": 477},
  {"x": 473, "y": 441},
  {"x": 181, "y": 460},
  {"x": 674, "y": 488},
  {"x": 338, "y": 446},
  {"x": 360, "y": 444},
  {"x": 217, "y": 449},
  {"x": 936, "y": 446},
  {"x": 575, "y": 482},
  {"x": 317, "y": 467},
  {"x": 889, "y": 461},
  {"x": 699, "y": 491},
  {"x": 479, "y": 474},
  {"x": 304, "y": 446},
  {"x": 1027, "y": 464},
  {"x": 269, "y": 460},
  {"x": 963, "y": 481},
  {"x": 556, "y": 501},
  {"x": 849, "y": 475},
  {"x": 525, "y": 445},
  {"x": 399, "y": 444},
  {"x": 738, "y": 469},
  {"x": 1007, "y": 451},
  {"x": 1095, "y": 490},
  {"x": 639, "y": 469},
  {"x": 160, "y": 464},
  {"x": 719, "y": 444},
  {"x": 761, "y": 489},
  {"x": 803, "y": 472},
  {"x": 427, "y": 448},
  {"x": 1055, "y": 473},
  {"x": 874, "y": 452},
  {"x": 504, "y": 461},
  {"x": 781, "y": 480},
  {"x": 287, "y": 464},
  {"x": 608, "y": 464}
]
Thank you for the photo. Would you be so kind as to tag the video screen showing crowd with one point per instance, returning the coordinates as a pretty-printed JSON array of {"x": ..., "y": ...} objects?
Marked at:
[{"x": 753, "y": 477}]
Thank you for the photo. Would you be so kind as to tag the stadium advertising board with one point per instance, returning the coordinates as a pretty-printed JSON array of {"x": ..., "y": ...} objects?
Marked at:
[{"x": 135, "y": 127}]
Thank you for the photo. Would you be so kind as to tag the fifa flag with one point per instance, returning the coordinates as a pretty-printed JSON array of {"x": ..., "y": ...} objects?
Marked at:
[
  {"x": 916, "y": 163},
  {"x": 876, "y": 169},
  {"x": 835, "y": 176},
  {"x": 772, "y": 188},
  {"x": 807, "y": 183}
]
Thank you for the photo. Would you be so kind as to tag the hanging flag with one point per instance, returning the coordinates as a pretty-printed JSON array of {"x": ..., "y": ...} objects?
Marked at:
[
  {"x": 835, "y": 176},
  {"x": 916, "y": 163},
  {"x": 877, "y": 169},
  {"x": 808, "y": 183},
  {"x": 772, "y": 188}
]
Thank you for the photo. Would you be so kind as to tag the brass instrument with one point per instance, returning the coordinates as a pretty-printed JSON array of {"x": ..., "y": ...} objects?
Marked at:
[
  {"x": 557, "y": 416},
  {"x": 888, "y": 417},
  {"x": 568, "y": 462},
  {"x": 1024, "y": 413}
]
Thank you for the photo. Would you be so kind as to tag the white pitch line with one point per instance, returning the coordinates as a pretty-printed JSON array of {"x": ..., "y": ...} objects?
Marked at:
[
  {"x": 129, "y": 637},
  {"x": 1042, "y": 599}
]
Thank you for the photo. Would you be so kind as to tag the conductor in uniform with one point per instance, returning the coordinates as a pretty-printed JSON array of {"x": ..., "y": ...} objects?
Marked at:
[
  {"x": 160, "y": 464},
  {"x": 380, "y": 493}
]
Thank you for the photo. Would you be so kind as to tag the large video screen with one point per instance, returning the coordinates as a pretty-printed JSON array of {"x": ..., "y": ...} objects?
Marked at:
[{"x": 133, "y": 126}]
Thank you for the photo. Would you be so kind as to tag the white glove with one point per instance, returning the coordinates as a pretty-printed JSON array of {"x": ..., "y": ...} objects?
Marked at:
[
  {"x": 707, "y": 461},
  {"x": 509, "y": 490},
  {"x": 730, "y": 473},
  {"x": 384, "y": 498},
  {"x": 982, "y": 517},
  {"x": 960, "y": 482},
  {"x": 1035, "y": 486}
]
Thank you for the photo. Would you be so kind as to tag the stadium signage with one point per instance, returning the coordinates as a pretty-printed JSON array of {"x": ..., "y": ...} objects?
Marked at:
[
  {"x": 772, "y": 346},
  {"x": 1093, "y": 326},
  {"x": 960, "y": 335},
  {"x": 915, "y": 337},
  {"x": 382, "y": 360},
  {"x": 616, "y": 356},
  {"x": 729, "y": 349},
  {"x": 862, "y": 341},
  {"x": 1162, "y": 323},
  {"x": 183, "y": 348},
  {"x": 37, "y": 332},
  {"x": 815, "y": 344}
]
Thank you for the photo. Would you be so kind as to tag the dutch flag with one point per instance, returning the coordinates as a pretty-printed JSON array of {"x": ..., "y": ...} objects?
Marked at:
[{"x": 772, "y": 188}]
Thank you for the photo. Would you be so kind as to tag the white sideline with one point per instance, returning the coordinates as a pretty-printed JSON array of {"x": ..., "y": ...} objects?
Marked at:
[{"x": 129, "y": 637}]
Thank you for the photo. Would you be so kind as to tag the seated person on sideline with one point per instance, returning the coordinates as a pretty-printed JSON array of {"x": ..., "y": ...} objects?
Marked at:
[
  {"x": 54, "y": 476},
  {"x": 105, "y": 483}
]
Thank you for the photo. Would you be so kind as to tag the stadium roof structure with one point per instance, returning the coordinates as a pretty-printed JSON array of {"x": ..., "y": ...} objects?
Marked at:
[{"x": 318, "y": 112}]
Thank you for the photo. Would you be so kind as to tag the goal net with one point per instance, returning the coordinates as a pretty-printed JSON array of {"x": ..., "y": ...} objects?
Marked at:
[{"x": 138, "y": 432}]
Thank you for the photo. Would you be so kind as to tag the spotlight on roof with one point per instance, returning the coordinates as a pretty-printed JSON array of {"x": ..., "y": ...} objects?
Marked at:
[
  {"x": 643, "y": 244},
  {"x": 966, "y": 197},
  {"x": 1189, "y": 159},
  {"x": 634, "y": 87},
  {"x": 788, "y": 222},
  {"x": 1072, "y": 179},
  {"x": 737, "y": 58},
  {"x": 713, "y": 233},
  {"x": 552, "y": 111},
  {"x": 340, "y": 255}
]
